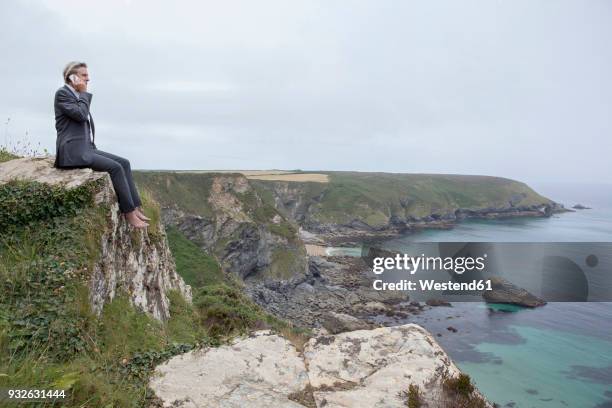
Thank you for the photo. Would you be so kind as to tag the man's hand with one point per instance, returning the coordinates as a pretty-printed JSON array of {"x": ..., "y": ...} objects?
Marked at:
[{"x": 79, "y": 84}]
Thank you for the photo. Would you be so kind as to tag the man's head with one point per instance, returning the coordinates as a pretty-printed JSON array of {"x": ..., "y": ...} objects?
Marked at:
[{"x": 76, "y": 68}]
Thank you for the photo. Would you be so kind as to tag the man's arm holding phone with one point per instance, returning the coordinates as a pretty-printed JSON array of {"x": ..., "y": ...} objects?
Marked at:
[{"x": 75, "y": 108}]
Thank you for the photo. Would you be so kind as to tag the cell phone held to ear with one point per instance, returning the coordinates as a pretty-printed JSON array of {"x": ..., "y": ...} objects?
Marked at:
[{"x": 77, "y": 83}]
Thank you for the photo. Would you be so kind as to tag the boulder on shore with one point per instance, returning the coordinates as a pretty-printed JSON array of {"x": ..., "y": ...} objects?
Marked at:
[
  {"x": 438, "y": 302},
  {"x": 336, "y": 323},
  {"x": 504, "y": 291}
]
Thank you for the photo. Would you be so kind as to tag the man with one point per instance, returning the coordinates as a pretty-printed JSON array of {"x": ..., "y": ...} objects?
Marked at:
[{"x": 75, "y": 148}]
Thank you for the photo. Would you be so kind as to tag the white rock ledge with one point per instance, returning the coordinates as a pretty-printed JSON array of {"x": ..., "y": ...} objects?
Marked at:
[
  {"x": 257, "y": 371},
  {"x": 363, "y": 368}
]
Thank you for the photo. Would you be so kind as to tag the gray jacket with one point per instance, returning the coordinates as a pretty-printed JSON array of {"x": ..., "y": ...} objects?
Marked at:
[{"x": 72, "y": 121}]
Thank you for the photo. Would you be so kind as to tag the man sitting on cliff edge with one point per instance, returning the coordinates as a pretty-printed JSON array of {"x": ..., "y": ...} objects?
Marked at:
[{"x": 75, "y": 148}]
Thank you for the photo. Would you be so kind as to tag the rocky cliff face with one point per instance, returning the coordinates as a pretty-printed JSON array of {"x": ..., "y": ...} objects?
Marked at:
[
  {"x": 137, "y": 262},
  {"x": 229, "y": 220}
]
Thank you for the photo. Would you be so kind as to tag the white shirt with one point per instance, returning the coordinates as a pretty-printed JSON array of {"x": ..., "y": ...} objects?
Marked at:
[{"x": 73, "y": 90}]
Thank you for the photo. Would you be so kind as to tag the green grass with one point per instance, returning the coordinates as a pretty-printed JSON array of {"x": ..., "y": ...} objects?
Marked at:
[
  {"x": 183, "y": 325},
  {"x": 224, "y": 310},
  {"x": 113, "y": 370},
  {"x": 151, "y": 209},
  {"x": 123, "y": 330},
  {"x": 188, "y": 191},
  {"x": 219, "y": 304},
  {"x": 285, "y": 261},
  {"x": 195, "y": 266},
  {"x": 414, "y": 396},
  {"x": 6, "y": 156},
  {"x": 284, "y": 229}
]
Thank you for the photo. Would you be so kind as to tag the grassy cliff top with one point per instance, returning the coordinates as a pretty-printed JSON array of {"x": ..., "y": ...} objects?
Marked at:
[
  {"x": 419, "y": 195},
  {"x": 340, "y": 196}
]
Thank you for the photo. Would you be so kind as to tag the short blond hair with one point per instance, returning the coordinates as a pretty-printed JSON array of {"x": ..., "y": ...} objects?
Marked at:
[{"x": 71, "y": 68}]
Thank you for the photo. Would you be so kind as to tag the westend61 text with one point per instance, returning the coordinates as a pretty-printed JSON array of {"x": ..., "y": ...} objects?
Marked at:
[{"x": 429, "y": 284}]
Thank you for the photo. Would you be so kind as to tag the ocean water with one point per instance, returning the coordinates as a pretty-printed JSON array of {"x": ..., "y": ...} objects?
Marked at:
[
  {"x": 559, "y": 355},
  {"x": 594, "y": 225},
  {"x": 581, "y": 226}
]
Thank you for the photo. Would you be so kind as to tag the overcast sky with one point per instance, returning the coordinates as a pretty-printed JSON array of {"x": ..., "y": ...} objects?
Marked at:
[{"x": 513, "y": 88}]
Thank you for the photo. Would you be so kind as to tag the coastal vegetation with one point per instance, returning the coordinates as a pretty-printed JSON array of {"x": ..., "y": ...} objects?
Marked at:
[
  {"x": 375, "y": 198},
  {"x": 5, "y": 155},
  {"x": 456, "y": 392}
]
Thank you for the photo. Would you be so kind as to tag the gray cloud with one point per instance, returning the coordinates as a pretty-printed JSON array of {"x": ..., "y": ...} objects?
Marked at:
[{"x": 518, "y": 89}]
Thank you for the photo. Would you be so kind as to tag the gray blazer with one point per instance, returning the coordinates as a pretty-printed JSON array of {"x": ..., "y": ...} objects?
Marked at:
[{"x": 73, "y": 146}]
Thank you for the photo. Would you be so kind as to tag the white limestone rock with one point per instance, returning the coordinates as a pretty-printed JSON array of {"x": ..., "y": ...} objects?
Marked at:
[
  {"x": 372, "y": 368},
  {"x": 258, "y": 371},
  {"x": 363, "y": 368}
]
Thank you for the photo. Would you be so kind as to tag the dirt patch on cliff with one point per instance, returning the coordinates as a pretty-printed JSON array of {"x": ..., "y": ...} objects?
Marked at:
[
  {"x": 302, "y": 177},
  {"x": 316, "y": 250}
]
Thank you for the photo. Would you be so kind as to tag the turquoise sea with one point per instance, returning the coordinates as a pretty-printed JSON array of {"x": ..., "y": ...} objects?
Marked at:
[
  {"x": 593, "y": 225},
  {"x": 559, "y": 355}
]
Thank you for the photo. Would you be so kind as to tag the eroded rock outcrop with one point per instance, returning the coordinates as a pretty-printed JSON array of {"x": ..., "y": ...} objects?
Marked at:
[
  {"x": 363, "y": 368},
  {"x": 228, "y": 219},
  {"x": 137, "y": 262},
  {"x": 504, "y": 291}
]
